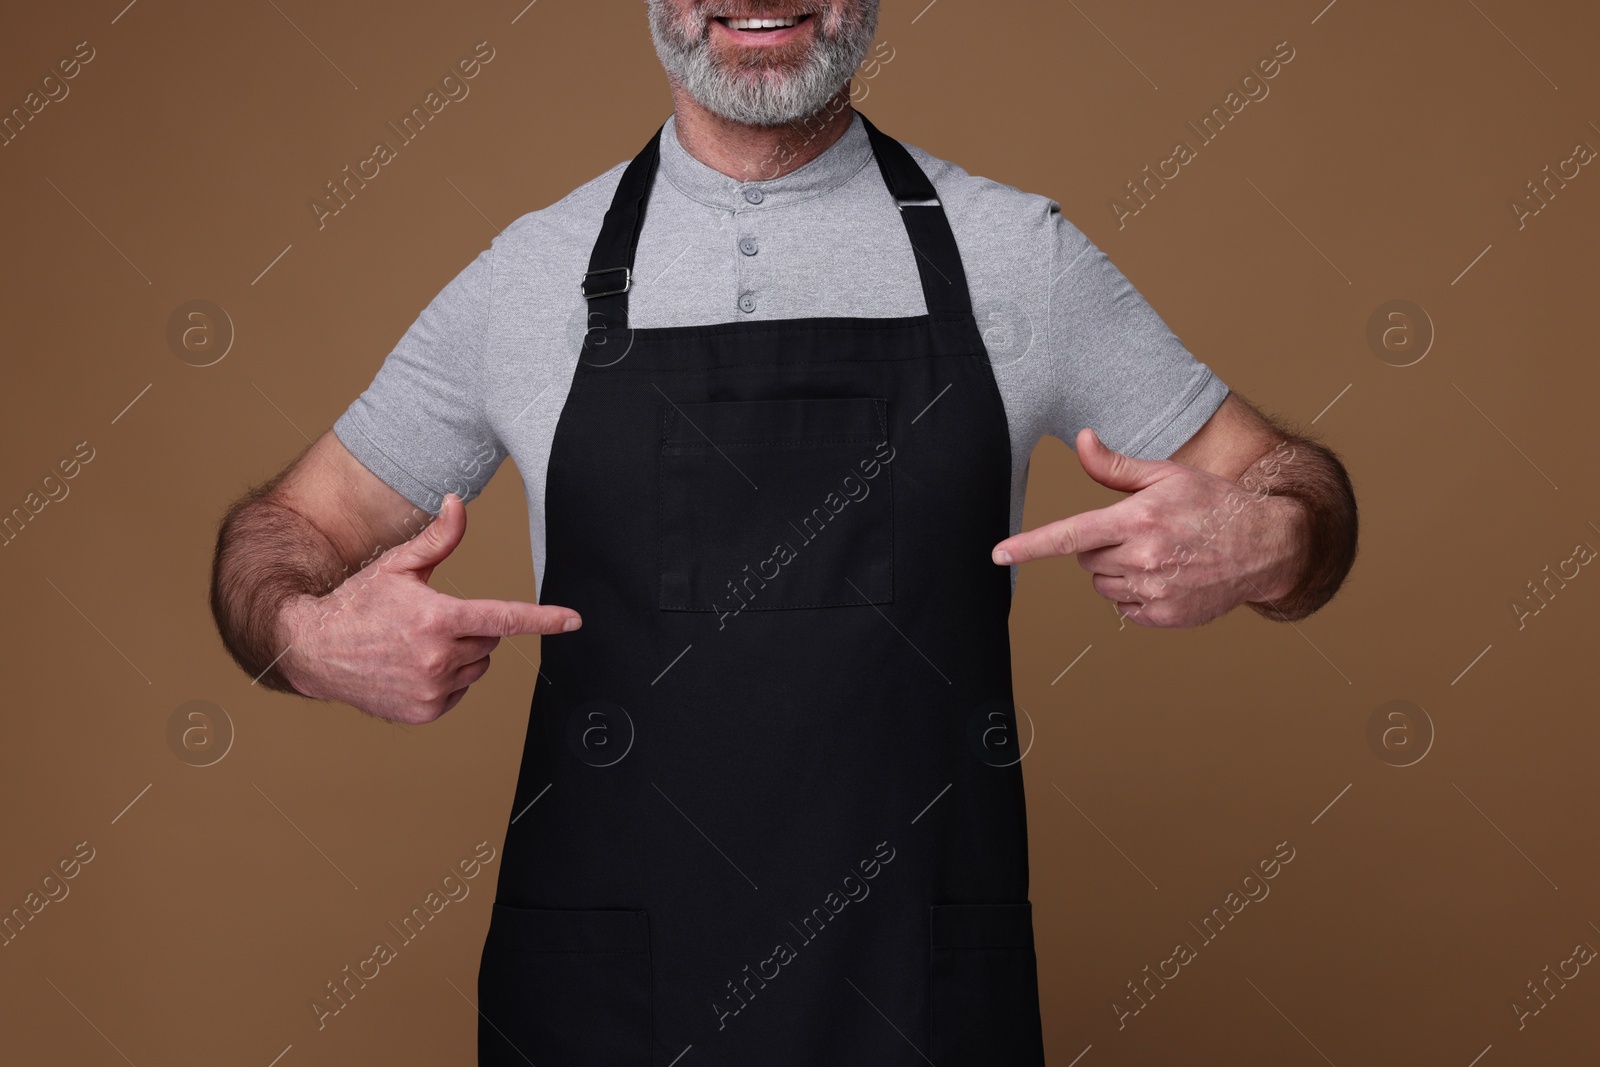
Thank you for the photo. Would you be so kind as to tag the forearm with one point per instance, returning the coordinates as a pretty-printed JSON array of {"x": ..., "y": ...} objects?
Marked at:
[
  {"x": 1319, "y": 533},
  {"x": 267, "y": 554}
]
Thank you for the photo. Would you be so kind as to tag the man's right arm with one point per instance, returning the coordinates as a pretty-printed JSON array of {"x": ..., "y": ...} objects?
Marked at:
[{"x": 320, "y": 587}]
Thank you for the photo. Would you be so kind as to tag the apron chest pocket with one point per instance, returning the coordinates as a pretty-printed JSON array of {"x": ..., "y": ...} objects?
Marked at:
[
  {"x": 565, "y": 986},
  {"x": 985, "y": 986},
  {"x": 772, "y": 504}
]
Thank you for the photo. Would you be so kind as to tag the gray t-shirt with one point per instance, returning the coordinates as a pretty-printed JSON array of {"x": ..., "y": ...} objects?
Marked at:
[{"x": 484, "y": 370}]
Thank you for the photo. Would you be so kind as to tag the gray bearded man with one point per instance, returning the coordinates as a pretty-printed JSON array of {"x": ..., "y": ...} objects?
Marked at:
[{"x": 745, "y": 376}]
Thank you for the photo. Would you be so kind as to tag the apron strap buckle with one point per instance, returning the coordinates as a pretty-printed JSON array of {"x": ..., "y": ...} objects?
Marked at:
[{"x": 592, "y": 290}]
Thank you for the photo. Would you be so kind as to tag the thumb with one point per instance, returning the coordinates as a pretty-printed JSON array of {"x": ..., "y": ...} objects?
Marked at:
[
  {"x": 1115, "y": 470},
  {"x": 435, "y": 543}
]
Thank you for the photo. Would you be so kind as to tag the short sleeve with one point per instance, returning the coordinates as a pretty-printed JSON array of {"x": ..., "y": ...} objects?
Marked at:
[
  {"x": 1117, "y": 367},
  {"x": 421, "y": 426}
]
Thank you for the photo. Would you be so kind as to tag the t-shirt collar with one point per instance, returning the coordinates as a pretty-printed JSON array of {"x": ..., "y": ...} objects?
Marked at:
[{"x": 835, "y": 166}]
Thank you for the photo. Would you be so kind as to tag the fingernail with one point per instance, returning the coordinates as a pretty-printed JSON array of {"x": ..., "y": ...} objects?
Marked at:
[
  {"x": 1002, "y": 556},
  {"x": 572, "y": 623}
]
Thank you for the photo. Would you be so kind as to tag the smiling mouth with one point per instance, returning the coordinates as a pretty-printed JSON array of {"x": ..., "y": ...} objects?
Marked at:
[{"x": 758, "y": 25}]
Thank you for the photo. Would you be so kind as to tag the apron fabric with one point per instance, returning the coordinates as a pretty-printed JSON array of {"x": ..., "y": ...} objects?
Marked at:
[{"x": 770, "y": 807}]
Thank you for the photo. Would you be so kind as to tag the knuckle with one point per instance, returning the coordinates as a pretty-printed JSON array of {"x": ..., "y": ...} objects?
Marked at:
[
  {"x": 433, "y": 662},
  {"x": 429, "y": 618}
]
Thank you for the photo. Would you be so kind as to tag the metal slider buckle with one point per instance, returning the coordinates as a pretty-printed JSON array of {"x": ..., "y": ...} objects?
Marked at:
[
  {"x": 903, "y": 204},
  {"x": 627, "y": 282}
]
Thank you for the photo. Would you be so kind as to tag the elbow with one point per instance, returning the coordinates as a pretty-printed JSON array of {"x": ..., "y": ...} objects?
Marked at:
[{"x": 1329, "y": 534}]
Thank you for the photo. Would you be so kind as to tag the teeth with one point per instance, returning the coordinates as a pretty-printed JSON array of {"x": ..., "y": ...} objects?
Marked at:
[{"x": 761, "y": 24}]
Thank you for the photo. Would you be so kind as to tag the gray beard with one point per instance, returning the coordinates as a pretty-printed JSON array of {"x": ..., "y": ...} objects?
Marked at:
[{"x": 768, "y": 98}]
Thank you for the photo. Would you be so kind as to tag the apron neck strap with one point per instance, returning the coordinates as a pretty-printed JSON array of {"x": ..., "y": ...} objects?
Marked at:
[
  {"x": 933, "y": 244},
  {"x": 610, "y": 275},
  {"x": 944, "y": 280}
]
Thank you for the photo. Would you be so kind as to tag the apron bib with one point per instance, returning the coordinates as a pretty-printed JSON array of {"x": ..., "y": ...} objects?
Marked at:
[{"x": 770, "y": 807}]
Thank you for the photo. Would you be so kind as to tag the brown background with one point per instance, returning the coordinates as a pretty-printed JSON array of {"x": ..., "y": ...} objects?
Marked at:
[{"x": 1166, "y": 764}]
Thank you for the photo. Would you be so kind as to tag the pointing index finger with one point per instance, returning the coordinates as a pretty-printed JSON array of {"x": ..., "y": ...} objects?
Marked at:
[
  {"x": 504, "y": 618},
  {"x": 1065, "y": 537}
]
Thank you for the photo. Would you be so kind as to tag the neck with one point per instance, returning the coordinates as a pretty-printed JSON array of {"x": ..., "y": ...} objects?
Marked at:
[{"x": 758, "y": 153}]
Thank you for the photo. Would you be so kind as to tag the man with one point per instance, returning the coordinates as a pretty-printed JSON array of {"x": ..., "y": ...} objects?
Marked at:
[{"x": 767, "y": 812}]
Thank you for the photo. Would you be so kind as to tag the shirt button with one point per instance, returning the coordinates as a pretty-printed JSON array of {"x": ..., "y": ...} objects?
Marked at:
[
  {"x": 747, "y": 303},
  {"x": 754, "y": 195},
  {"x": 748, "y": 246}
]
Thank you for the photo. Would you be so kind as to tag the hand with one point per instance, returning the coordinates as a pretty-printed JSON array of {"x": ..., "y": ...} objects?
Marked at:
[
  {"x": 1184, "y": 548},
  {"x": 388, "y": 644}
]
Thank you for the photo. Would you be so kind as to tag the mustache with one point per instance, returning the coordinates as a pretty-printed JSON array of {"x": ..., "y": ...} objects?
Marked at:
[
  {"x": 831, "y": 23},
  {"x": 771, "y": 9}
]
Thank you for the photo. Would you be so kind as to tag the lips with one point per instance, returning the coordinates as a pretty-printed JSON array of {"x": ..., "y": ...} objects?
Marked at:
[
  {"x": 771, "y": 23},
  {"x": 761, "y": 28}
]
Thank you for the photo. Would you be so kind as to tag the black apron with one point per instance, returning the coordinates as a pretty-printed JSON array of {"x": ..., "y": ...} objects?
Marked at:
[{"x": 770, "y": 809}]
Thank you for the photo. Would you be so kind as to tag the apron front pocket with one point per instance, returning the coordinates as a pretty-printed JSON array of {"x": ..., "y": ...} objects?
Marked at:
[
  {"x": 565, "y": 986},
  {"x": 985, "y": 986},
  {"x": 772, "y": 504}
]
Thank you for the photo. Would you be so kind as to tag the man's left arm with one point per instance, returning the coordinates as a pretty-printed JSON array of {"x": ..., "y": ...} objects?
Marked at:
[{"x": 1244, "y": 512}]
